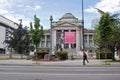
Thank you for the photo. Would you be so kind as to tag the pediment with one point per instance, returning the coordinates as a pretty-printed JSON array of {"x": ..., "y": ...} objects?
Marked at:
[{"x": 66, "y": 24}]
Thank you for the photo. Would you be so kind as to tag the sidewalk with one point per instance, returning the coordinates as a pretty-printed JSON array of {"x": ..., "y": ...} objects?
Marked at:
[{"x": 70, "y": 63}]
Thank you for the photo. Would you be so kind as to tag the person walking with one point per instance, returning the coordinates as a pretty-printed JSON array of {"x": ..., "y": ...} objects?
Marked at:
[{"x": 85, "y": 56}]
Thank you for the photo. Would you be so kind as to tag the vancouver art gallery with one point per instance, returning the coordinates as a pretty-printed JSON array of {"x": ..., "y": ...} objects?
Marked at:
[{"x": 67, "y": 35}]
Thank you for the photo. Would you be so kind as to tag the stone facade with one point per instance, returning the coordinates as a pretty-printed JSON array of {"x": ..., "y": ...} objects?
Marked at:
[{"x": 68, "y": 23}]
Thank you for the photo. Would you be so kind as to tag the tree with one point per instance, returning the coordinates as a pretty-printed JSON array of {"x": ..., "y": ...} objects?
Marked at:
[
  {"x": 36, "y": 32},
  {"x": 115, "y": 38},
  {"x": 19, "y": 40},
  {"x": 105, "y": 30},
  {"x": 108, "y": 30}
]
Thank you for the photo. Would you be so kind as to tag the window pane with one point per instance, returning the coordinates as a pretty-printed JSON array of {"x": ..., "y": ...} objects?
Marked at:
[
  {"x": 66, "y": 46},
  {"x": 73, "y": 45}
]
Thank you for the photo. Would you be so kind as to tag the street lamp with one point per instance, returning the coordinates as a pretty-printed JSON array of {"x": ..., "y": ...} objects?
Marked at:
[
  {"x": 50, "y": 54},
  {"x": 83, "y": 30}
]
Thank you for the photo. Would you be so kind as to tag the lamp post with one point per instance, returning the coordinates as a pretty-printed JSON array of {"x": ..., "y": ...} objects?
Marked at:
[
  {"x": 83, "y": 30},
  {"x": 50, "y": 54}
]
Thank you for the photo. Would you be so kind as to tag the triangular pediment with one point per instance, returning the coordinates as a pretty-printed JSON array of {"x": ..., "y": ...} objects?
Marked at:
[{"x": 66, "y": 24}]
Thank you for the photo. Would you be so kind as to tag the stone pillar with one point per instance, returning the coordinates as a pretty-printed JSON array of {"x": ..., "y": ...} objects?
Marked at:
[
  {"x": 81, "y": 36},
  {"x": 53, "y": 40},
  {"x": 88, "y": 42},
  {"x": 45, "y": 40},
  {"x": 62, "y": 45},
  {"x": 40, "y": 45},
  {"x": 77, "y": 40},
  {"x": 69, "y": 44}
]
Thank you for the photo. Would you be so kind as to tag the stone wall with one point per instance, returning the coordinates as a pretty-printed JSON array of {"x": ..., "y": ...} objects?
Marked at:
[{"x": 12, "y": 56}]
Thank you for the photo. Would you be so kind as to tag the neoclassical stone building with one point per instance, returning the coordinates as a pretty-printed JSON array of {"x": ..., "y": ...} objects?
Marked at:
[{"x": 67, "y": 35}]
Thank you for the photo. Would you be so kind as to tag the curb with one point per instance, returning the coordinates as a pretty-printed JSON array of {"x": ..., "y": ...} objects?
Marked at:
[{"x": 102, "y": 65}]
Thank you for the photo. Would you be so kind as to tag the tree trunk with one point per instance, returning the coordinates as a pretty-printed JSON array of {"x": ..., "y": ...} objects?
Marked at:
[
  {"x": 36, "y": 54},
  {"x": 105, "y": 51},
  {"x": 113, "y": 56}
]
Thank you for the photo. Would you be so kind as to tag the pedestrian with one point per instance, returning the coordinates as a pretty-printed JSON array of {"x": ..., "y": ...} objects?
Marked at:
[{"x": 85, "y": 56}]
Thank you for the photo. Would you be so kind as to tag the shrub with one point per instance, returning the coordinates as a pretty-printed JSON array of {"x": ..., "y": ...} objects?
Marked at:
[
  {"x": 40, "y": 54},
  {"x": 62, "y": 55},
  {"x": 101, "y": 55}
]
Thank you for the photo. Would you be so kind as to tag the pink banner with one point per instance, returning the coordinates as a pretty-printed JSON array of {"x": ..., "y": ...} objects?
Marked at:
[{"x": 70, "y": 38}]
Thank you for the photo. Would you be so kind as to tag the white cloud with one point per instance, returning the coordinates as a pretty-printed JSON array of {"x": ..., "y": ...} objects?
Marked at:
[
  {"x": 20, "y": 5},
  {"x": 5, "y": 4},
  {"x": 90, "y": 10},
  {"x": 11, "y": 9},
  {"x": 3, "y": 11},
  {"x": 106, "y": 6},
  {"x": 3, "y": 1},
  {"x": 37, "y": 7},
  {"x": 15, "y": 18}
]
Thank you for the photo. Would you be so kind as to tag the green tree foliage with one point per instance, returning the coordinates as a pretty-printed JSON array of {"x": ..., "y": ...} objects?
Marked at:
[
  {"x": 115, "y": 23},
  {"x": 104, "y": 27},
  {"x": 115, "y": 38},
  {"x": 19, "y": 40},
  {"x": 36, "y": 31},
  {"x": 103, "y": 31},
  {"x": 108, "y": 32}
]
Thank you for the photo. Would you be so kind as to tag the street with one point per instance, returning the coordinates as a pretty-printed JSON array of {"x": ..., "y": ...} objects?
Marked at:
[{"x": 58, "y": 73}]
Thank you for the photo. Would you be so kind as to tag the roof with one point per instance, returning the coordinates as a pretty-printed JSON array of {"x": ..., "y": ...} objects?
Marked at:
[
  {"x": 68, "y": 19},
  {"x": 68, "y": 15},
  {"x": 89, "y": 31},
  {"x": 7, "y": 23}
]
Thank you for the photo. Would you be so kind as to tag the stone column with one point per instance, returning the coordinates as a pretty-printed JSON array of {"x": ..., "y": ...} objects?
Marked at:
[
  {"x": 45, "y": 40},
  {"x": 77, "y": 40},
  {"x": 81, "y": 39},
  {"x": 62, "y": 45},
  {"x": 69, "y": 44},
  {"x": 88, "y": 42},
  {"x": 53, "y": 40}
]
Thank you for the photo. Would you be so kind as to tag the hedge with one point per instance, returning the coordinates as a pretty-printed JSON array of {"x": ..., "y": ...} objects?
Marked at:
[
  {"x": 40, "y": 54},
  {"x": 101, "y": 55},
  {"x": 62, "y": 55}
]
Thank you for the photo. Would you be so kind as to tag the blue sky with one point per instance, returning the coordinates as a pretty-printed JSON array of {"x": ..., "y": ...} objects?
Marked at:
[{"x": 25, "y": 10}]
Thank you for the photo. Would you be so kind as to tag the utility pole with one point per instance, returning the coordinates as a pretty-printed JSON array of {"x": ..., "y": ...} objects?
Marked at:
[{"x": 83, "y": 30}]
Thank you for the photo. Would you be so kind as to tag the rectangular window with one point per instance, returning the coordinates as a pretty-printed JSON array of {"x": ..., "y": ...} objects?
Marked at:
[
  {"x": 90, "y": 37},
  {"x": 73, "y": 30},
  {"x": 48, "y": 36},
  {"x": 73, "y": 45},
  {"x": 42, "y": 44},
  {"x": 85, "y": 37},
  {"x": 66, "y": 46},
  {"x": 48, "y": 43},
  {"x": 91, "y": 40}
]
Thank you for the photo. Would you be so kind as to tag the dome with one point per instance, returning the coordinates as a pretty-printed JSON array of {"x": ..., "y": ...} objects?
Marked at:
[{"x": 68, "y": 16}]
